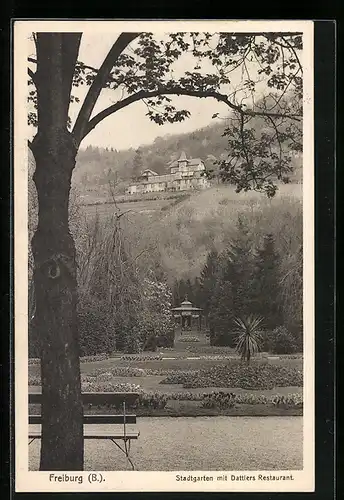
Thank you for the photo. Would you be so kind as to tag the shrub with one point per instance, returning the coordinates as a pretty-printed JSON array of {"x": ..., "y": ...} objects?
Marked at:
[
  {"x": 166, "y": 339},
  {"x": 186, "y": 396},
  {"x": 132, "y": 342},
  {"x": 282, "y": 341},
  {"x": 248, "y": 340},
  {"x": 251, "y": 399},
  {"x": 210, "y": 349},
  {"x": 189, "y": 339},
  {"x": 116, "y": 371},
  {"x": 154, "y": 400},
  {"x": 178, "y": 377},
  {"x": 108, "y": 386},
  {"x": 224, "y": 400},
  {"x": 288, "y": 401},
  {"x": 141, "y": 357},
  {"x": 94, "y": 357},
  {"x": 96, "y": 334},
  {"x": 219, "y": 400}
]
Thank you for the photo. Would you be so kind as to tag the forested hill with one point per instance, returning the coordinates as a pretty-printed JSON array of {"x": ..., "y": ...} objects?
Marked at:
[{"x": 96, "y": 166}]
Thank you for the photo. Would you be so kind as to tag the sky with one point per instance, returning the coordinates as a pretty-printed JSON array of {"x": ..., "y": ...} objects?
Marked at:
[{"x": 130, "y": 127}]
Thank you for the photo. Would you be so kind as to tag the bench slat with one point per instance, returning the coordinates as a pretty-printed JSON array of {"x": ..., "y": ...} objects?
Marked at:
[
  {"x": 95, "y": 398},
  {"x": 94, "y": 434},
  {"x": 94, "y": 419}
]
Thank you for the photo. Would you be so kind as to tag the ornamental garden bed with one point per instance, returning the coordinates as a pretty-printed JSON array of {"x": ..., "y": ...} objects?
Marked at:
[
  {"x": 210, "y": 403},
  {"x": 196, "y": 387}
]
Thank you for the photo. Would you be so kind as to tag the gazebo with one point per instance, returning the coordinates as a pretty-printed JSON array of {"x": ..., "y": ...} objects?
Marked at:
[{"x": 186, "y": 313}]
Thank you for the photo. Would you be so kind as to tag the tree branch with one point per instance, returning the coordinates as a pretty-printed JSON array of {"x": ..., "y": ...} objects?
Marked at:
[
  {"x": 78, "y": 64},
  {"x": 142, "y": 94},
  {"x": 99, "y": 82},
  {"x": 293, "y": 51}
]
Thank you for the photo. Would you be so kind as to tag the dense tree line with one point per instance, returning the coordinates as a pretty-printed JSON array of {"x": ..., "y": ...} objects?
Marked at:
[{"x": 244, "y": 280}]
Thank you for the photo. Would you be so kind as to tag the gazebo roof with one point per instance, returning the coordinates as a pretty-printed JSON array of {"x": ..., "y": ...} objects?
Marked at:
[{"x": 186, "y": 303}]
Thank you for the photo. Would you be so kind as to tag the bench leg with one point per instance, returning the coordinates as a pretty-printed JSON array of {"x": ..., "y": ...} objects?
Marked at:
[{"x": 126, "y": 451}]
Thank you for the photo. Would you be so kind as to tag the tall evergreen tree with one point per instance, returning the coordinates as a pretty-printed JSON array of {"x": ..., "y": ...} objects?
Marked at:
[
  {"x": 232, "y": 295},
  {"x": 266, "y": 284},
  {"x": 221, "y": 315},
  {"x": 208, "y": 280},
  {"x": 189, "y": 291},
  {"x": 239, "y": 269},
  {"x": 137, "y": 164},
  {"x": 183, "y": 289},
  {"x": 197, "y": 292}
]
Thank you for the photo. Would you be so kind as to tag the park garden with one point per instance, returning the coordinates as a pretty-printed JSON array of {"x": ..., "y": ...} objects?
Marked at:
[
  {"x": 103, "y": 289},
  {"x": 243, "y": 358}
]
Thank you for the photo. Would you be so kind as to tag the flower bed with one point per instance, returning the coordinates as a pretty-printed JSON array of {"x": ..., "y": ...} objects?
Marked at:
[
  {"x": 153, "y": 400},
  {"x": 109, "y": 386},
  {"x": 179, "y": 376},
  {"x": 255, "y": 376},
  {"x": 83, "y": 359},
  {"x": 115, "y": 371},
  {"x": 224, "y": 400},
  {"x": 209, "y": 349},
  {"x": 141, "y": 357},
  {"x": 93, "y": 358}
]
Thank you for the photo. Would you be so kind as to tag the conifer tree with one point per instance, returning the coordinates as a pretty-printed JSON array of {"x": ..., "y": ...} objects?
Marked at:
[
  {"x": 266, "y": 284},
  {"x": 232, "y": 296},
  {"x": 208, "y": 280},
  {"x": 239, "y": 269},
  {"x": 137, "y": 164},
  {"x": 221, "y": 315}
]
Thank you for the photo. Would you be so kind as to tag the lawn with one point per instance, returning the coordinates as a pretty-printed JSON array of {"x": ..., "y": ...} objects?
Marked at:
[{"x": 235, "y": 443}]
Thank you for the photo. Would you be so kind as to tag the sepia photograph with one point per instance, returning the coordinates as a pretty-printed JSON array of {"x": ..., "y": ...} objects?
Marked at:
[{"x": 164, "y": 292}]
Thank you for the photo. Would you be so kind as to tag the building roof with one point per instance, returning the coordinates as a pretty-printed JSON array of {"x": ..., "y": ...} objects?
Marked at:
[
  {"x": 191, "y": 162},
  {"x": 149, "y": 171},
  {"x": 182, "y": 156}
]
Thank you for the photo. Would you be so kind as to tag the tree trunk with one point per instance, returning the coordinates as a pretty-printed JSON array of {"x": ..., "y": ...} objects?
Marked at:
[{"x": 54, "y": 255}]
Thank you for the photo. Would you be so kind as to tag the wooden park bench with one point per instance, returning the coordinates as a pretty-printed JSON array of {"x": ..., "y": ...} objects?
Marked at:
[{"x": 115, "y": 399}]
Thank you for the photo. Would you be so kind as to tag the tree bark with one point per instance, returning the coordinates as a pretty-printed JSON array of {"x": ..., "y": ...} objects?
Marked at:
[{"x": 54, "y": 255}]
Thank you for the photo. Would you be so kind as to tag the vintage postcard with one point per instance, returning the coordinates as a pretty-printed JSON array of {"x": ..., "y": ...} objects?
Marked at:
[{"x": 164, "y": 256}]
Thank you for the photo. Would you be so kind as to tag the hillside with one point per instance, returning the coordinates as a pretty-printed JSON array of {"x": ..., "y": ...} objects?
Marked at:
[
  {"x": 97, "y": 166},
  {"x": 178, "y": 234}
]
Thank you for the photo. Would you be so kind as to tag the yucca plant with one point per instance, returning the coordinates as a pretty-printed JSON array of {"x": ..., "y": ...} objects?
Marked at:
[{"x": 248, "y": 339}]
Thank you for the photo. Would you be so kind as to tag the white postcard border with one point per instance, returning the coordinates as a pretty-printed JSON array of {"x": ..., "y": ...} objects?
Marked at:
[{"x": 122, "y": 481}]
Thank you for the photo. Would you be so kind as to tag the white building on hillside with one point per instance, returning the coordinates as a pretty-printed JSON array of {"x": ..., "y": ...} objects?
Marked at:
[{"x": 184, "y": 175}]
